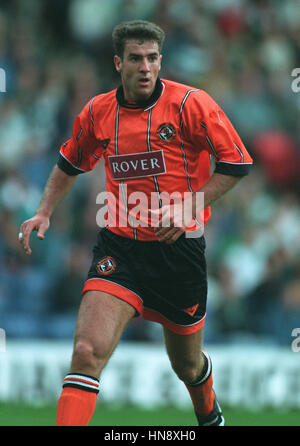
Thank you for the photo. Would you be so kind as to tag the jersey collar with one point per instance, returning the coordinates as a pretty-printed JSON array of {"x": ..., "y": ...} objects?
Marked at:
[{"x": 140, "y": 104}]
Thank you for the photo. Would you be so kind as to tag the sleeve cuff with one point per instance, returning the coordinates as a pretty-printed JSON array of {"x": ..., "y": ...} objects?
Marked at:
[
  {"x": 236, "y": 170},
  {"x": 67, "y": 167}
]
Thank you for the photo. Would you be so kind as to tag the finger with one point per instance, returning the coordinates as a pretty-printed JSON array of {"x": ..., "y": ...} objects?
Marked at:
[
  {"x": 41, "y": 232},
  {"x": 175, "y": 236},
  {"x": 21, "y": 235},
  {"x": 22, "y": 243},
  {"x": 168, "y": 234},
  {"x": 26, "y": 245},
  {"x": 26, "y": 231},
  {"x": 161, "y": 231},
  {"x": 167, "y": 223}
]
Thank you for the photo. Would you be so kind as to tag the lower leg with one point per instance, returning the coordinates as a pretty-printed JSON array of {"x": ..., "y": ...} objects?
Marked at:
[
  {"x": 193, "y": 367},
  {"x": 101, "y": 321},
  {"x": 201, "y": 389},
  {"x": 77, "y": 401}
]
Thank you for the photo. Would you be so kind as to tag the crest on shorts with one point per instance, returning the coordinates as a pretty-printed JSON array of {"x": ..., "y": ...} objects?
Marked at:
[
  {"x": 191, "y": 310},
  {"x": 166, "y": 132},
  {"x": 107, "y": 265}
]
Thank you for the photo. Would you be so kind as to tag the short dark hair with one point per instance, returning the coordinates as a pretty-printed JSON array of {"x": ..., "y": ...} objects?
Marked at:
[{"x": 137, "y": 30}]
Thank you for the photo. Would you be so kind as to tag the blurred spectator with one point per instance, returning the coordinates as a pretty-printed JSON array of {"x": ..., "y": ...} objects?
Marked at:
[{"x": 280, "y": 157}]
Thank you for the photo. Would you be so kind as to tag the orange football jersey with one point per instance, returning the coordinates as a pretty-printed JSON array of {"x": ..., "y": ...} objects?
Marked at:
[{"x": 161, "y": 146}]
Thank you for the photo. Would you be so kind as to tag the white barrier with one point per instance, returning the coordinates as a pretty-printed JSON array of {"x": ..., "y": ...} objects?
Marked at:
[{"x": 140, "y": 374}]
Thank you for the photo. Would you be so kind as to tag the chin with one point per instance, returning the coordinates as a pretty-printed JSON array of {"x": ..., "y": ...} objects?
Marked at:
[{"x": 144, "y": 93}]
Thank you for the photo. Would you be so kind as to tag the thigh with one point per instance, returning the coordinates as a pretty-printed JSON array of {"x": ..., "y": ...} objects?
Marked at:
[{"x": 101, "y": 321}]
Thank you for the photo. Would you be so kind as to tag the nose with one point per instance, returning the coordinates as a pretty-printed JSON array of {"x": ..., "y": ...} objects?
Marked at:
[{"x": 145, "y": 67}]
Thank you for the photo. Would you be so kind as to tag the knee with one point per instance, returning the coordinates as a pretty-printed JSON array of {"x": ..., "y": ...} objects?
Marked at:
[
  {"x": 86, "y": 354},
  {"x": 187, "y": 371}
]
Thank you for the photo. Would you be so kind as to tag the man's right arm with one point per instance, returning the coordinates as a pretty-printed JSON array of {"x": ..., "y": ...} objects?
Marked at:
[{"x": 58, "y": 184}]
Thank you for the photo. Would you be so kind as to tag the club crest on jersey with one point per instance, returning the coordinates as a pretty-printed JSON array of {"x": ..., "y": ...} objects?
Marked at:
[
  {"x": 104, "y": 143},
  {"x": 107, "y": 265},
  {"x": 166, "y": 132}
]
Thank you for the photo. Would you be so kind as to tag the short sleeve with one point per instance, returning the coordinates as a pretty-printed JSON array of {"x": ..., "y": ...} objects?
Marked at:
[
  {"x": 208, "y": 128},
  {"x": 82, "y": 151}
]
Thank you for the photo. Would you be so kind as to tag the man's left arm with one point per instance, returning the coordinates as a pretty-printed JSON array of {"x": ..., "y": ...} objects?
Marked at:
[
  {"x": 216, "y": 187},
  {"x": 207, "y": 126}
]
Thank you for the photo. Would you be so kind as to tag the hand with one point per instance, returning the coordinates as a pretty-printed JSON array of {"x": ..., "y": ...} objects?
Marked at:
[
  {"x": 172, "y": 220},
  {"x": 37, "y": 223}
]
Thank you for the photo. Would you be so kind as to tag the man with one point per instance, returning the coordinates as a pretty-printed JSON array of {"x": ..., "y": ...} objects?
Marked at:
[{"x": 156, "y": 137}]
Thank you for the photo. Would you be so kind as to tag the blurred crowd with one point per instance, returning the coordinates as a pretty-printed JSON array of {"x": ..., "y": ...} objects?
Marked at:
[{"x": 57, "y": 54}]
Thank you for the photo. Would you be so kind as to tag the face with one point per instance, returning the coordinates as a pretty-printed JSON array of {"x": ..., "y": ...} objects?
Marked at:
[{"x": 139, "y": 69}]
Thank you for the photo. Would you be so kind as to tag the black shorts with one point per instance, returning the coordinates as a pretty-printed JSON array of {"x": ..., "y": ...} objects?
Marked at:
[{"x": 164, "y": 283}]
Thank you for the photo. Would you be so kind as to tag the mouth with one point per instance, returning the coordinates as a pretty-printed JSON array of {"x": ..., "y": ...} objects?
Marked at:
[{"x": 144, "y": 82}]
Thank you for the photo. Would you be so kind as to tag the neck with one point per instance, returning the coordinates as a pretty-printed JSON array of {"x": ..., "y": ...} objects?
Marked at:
[{"x": 143, "y": 103}]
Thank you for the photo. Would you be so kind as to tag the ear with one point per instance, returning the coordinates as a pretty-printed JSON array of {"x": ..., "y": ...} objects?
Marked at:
[
  {"x": 160, "y": 58},
  {"x": 118, "y": 63}
]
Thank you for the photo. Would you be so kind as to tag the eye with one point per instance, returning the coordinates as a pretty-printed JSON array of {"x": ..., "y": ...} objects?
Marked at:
[{"x": 152, "y": 57}]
